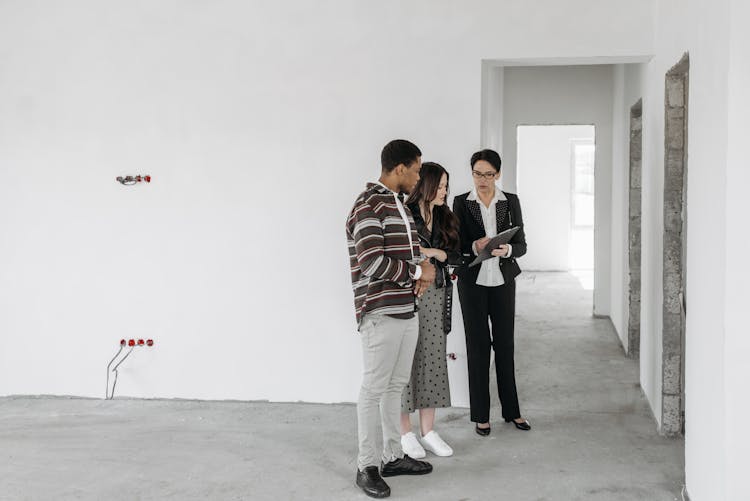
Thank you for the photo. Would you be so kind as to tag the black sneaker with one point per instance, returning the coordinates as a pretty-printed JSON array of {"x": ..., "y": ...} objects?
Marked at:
[
  {"x": 372, "y": 483},
  {"x": 406, "y": 466}
]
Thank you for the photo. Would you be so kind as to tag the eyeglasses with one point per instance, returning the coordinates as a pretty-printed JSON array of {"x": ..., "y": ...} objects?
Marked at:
[{"x": 486, "y": 175}]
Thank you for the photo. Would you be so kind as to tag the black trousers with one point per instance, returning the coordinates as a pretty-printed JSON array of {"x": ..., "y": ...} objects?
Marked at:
[{"x": 498, "y": 304}]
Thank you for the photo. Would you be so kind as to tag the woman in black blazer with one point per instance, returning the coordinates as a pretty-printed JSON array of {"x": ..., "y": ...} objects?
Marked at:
[
  {"x": 488, "y": 291},
  {"x": 428, "y": 387}
]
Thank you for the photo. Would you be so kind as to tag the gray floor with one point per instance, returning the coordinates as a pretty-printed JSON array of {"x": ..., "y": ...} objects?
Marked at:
[{"x": 594, "y": 437}]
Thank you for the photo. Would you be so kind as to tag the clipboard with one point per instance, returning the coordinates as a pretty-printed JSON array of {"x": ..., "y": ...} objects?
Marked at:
[{"x": 494, "y": 243}]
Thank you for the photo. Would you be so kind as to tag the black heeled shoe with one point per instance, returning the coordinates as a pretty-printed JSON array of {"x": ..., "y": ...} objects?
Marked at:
[
  {"x": 483, "y": 432},
  {"x": 523, "y": 425}
]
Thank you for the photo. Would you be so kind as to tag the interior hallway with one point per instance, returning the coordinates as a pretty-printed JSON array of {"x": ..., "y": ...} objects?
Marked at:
[{"x": 593, "y": 434}]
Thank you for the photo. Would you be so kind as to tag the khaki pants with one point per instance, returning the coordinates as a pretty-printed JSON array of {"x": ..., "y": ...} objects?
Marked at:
[{"x": 388, "y": 346}]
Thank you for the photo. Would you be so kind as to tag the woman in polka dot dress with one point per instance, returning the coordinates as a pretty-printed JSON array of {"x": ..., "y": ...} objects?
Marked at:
[{"x": 428, "y": 388}]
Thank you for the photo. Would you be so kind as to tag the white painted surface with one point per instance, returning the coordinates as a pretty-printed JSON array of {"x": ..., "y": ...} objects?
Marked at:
[
  {"x": 544, "y": 180},
  {"x": 702, "y": 28},
  {"x": 737, "y": 341},
  {"x": 628, "y": 89},
  {"x": 259, "y": 123},
  {"x": 566, "y": 95},
  {"x": 493, "y": 90},
  {"x": 619, "y": 229},
  {"x": 250, "y": 115},
  {"x": 716, "y": 363}
]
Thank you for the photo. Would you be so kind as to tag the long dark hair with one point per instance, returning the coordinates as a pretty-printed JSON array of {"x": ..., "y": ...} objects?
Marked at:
[{"x": 425, "y": 192}]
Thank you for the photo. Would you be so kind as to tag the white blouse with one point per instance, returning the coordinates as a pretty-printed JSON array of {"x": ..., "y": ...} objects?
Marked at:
[{"x": 489, "y": 273}]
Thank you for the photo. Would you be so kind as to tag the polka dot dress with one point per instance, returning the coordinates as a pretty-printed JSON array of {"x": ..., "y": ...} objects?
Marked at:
[{"x": 428, "y": 387}]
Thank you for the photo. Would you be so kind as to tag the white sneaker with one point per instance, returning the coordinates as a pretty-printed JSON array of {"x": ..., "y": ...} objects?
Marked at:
[
  {"x": 433, "y": 443},
  {"x": 411, "y": 447}
]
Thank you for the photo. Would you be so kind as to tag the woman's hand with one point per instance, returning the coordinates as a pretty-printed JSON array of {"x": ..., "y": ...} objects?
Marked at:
[
  {"x": 430, "y": 252},
  {"x": 501, "y": 251},
  {"x": 481, "y": 244},
  {"x": 427, "y": 251}
]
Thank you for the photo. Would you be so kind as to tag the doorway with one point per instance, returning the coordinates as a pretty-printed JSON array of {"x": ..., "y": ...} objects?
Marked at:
[
  {"x": 634, "y": 230},
  {"x": 555, "y": 176},
  {"x": 674, "y": 306}
]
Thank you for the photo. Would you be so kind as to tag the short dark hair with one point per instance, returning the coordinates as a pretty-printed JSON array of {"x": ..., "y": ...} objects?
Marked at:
[
  {"x": 489, "y": 156},
  {"x": 398, "y": 151}
]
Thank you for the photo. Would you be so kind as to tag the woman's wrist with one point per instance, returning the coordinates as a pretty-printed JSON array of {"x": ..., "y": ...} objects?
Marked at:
[{"x": 441, "y": 255}]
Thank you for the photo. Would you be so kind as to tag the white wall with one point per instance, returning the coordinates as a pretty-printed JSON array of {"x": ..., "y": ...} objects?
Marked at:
[
  {"x": 543, "y": 177},
  {"x": 628, "y": 88},
  {"x": 701, "y": 28},
  {"x": 493, "y": 90},
  {"x": 250, "y": 115},
  {"x": 737, "y": 341},
  {"x": 717, "y": 347},
  {"x": 566, "y": 95},
  {"x": 681, "y": 27},
  {"x": 259, "y": 122}
]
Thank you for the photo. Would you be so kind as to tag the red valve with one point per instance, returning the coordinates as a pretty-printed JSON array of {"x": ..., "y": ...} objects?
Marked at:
[
  {"x": 122, "y": 342},
  {"x": 140, "y": 342},
  {"x": 453, "y": 276},
  {"x": 131, "y": 342},
  {"x": 150, "y": 342},
  {"x": 131, "y": 180}
]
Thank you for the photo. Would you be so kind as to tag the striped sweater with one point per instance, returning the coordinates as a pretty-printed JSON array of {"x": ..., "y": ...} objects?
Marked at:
[{"x": 381, "y": 261}]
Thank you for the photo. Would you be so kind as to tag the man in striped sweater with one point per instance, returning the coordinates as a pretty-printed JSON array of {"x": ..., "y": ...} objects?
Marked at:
[{"x": 386, "y": 277}]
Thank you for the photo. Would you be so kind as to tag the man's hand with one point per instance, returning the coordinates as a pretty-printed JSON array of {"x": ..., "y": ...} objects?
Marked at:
[
  {"x": 428, "y": 276},
  {"x": 428, "y": 271},
  {"x": 481, "y": 243},
  {"x": 501, "y": 251}
]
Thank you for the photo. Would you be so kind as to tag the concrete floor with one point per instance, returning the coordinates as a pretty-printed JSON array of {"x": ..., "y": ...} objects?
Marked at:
[{"x": 593, "y": 439}]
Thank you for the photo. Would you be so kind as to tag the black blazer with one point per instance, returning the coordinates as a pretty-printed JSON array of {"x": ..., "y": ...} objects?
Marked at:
[
  {"x": 442, "y": 275},
  {"x": 471, "y": 228},
  {"x": 433, "y": 241}
]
